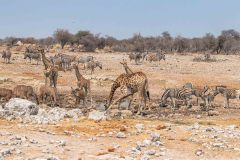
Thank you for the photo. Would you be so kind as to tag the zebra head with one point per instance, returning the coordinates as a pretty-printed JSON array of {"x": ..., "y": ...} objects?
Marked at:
[
  {"x": 220, "y": 89},
  {"x": 162, "y": 104}
]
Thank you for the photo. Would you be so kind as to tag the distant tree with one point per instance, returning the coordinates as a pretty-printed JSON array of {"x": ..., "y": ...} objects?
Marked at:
[
  {"x": 180, "y": 44},
  {"x": 88, "y": 40},
  {"x": 166, "y": 41},
  {"x": 209, "y": 42},
  {"x": 229, "y": 40},
  {"x": 196, "y": 45},
  {"x": 166, "y": 35},
  {"x": 11, "y": 40},
  {"x": 138, "y": 43},
  {"x": 47, "y": 41},
  {"x": 30, "y": 40},
  {"x": 101, "y": 43},
  {"x": 230, "y": 34},
  {"x": 220, "y": 43},
  {"x": 62, "y": 36},
  {"x": 110, "y": 41}
]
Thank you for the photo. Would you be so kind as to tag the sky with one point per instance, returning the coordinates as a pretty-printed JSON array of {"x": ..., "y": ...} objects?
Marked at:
[{"x": 118, "y": 18}]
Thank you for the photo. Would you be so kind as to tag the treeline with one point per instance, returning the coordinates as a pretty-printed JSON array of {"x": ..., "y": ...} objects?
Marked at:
[{"x": 226, "y": 43}]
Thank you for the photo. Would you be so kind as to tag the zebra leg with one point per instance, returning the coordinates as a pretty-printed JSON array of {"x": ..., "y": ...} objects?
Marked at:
[
  {"x": 188, "y": 101},
  {"x": 206, "y": 103},
  {"x": 173, "y": 101},
  {"x": 226, "y": 102}
]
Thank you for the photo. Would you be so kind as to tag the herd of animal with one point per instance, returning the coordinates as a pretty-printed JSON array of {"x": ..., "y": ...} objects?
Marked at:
[
  {"x": 52, "y": 65},
  {"x": 150, "y": 57},
  {"x": 206, "y": 94},
  {"x": 129, "y": 82}
]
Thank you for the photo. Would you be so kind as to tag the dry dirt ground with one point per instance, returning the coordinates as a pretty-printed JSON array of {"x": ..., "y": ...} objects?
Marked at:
[{"x": 183, "y": 135}]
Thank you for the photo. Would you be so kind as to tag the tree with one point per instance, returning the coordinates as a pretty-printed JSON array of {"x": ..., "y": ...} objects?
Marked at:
[
  {"x": 11, "y": 40},
  {"x": 180, "y": 44},
  {"x": 166, "y": 41},
  {"x": 209, "y": 42},
  {"x": 220, "y": 42},
  {"x": 88, "y": 40},
  {"x": 138, "y": 42},
  {"x": 29, "y": 40},
  {"x": 110, "y": 41},
  {"x": 47, "y": 41},
  {"x": 62, "y": 36},
  {"x": 230, "y": 34}
]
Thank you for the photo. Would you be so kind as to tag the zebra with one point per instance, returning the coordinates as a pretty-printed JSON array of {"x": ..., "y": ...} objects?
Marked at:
[
  {"x": 57, "y": 60},
  {"x": 67, "y": 60},
  {"x": 188, "y": 85},
  {"x": 135, "y": 56},
  {"x": 227, "y": 93},
  {"x": 198, "y": 92},
  {"x": 208, "y": 97},
  {"x": 144, "y": 55},
  {"x": 156, "y": 57},
  {"x": 175, "y": 93},
  {"x": 6, "y": 55},
  {"x": 92, "y": 65},
  {"x": 31, "y": 56},
  {"x": 85, "y": 59}
]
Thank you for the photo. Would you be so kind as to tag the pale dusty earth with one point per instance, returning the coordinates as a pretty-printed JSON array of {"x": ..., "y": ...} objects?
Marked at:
[{"x": 182, "y": 134}]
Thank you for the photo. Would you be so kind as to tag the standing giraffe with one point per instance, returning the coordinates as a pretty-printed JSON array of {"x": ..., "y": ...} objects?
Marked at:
[
  {"x": 52, "y": 74},
  {"x": 82, "y": 82},
  {"x": 47, "y": 63},
  {"x": 125, "y": 66},
  {"x": 135, "y": 82}
]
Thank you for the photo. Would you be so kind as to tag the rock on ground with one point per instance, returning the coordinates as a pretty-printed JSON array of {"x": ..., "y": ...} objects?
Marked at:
[
  {"x": 97, "y": 115},
  {"x": 21, "y": 106}
]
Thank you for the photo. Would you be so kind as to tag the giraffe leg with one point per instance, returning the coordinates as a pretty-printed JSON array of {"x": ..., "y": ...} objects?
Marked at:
[
  {"x": 119, "y": 99},
  {"x": 141, "y": 95},
  {"x": 130, "y": 97}
]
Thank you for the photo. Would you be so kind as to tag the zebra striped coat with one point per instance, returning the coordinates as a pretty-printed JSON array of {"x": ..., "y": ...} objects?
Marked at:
[
  {"x": 227, "y": 93},
  {"x": 175, "y": 93}
]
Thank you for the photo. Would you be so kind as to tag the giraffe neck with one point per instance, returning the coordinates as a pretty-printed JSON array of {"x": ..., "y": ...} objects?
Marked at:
[
  {"x": 78, "y": 75},
  {"x": 128, "y": 70},
  {"x": 44, "y": 58}
]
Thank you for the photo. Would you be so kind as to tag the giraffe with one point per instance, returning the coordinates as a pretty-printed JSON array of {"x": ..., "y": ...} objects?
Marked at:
[
  {"x": 82, "y": 82},
  {"x": 135, "y": 82},
  {"x": 47, "y": 63},
  {"x": 124, "y": 90},
  {"x": 52, "y": 74},
  {"x": 127, "y": 69}
]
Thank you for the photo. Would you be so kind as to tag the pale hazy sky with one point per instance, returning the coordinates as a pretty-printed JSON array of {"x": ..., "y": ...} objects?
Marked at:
[{"x": 118, "y": 18}]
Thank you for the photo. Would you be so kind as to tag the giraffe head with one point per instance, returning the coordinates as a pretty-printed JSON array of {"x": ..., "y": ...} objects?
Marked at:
[
  {"x": 124, "y": 62},
  {"x": 74, "y": 66}
]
